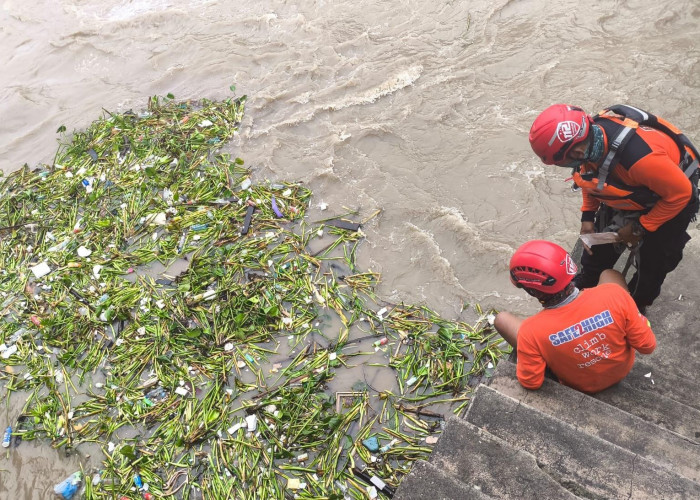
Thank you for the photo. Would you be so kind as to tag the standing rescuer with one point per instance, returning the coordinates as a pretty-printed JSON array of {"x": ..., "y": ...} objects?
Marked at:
[
  {"x": 586, "y": 338},
  {"x": 638, "y": 175}
]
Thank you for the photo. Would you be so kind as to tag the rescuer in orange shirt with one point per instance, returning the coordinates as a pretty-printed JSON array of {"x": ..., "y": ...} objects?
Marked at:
[
  {"x": 586, "y": 338},
  {"x": 638, "y": 175}
]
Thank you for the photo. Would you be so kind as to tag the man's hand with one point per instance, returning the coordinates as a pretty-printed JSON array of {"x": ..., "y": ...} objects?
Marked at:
[
  {"x": 631, "y": 234},
  {"x": 587, "y": 228}
]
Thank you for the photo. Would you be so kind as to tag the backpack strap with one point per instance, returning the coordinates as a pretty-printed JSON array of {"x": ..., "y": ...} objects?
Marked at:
[
  {"x": 636, "y": 114},
  {"x": 690, "y": 169},
  {"x": 633, "y": 118},
  {"x": 611, "y": 159}
]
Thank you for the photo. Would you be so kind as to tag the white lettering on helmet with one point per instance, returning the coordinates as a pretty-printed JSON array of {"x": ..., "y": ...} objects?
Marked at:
[
  {"x": 570, "y": 266},
  {"x": 567, "y": 130}
]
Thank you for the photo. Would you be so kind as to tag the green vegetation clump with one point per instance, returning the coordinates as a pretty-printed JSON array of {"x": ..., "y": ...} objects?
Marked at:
[{"x": 216, "y": 380}]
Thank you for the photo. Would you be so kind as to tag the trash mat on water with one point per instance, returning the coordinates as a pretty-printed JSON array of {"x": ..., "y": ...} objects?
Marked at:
[{"x": 223, "y": 376}]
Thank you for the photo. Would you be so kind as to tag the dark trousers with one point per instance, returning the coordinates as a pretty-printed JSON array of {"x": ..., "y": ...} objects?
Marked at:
[{"x": 659, "y": 254}]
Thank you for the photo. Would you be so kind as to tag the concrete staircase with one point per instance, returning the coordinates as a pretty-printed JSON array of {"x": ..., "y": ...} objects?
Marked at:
[{"x": 637, "y": 440}]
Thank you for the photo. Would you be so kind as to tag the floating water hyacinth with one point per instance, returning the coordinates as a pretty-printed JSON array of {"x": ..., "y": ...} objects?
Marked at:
[{"x": 213, "y": 381}]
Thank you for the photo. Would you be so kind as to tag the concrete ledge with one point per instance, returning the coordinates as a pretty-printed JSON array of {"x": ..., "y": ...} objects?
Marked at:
[
  {"x": 598, "y": 468},
  {"x": 665, "y": 381},
  {"x": 498, "y": 469},
  {"x": 597, "y": 418},
  {"x": 654, "y": 408},
  {"x": 676, "y": 324},
  {"x": 426, "y": 481}
]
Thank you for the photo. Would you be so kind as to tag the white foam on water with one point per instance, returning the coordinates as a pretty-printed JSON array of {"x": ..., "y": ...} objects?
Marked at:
[
  {"x": 389, "y": 86},
  {"x": 430, "y": 254},
  {"x": 129, "y": 9},
  {"x": 453, "y": 221},
  {"x": 529, "y": 169}
]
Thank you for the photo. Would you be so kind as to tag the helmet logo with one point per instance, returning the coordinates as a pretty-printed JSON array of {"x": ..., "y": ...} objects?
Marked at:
[
  {"x": 570, "y": 265},
  {"x": 567, "y": 130}
]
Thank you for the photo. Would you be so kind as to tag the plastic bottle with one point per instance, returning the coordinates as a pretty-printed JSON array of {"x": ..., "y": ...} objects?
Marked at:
[
  {"x": 97, "y": 478},
  {"x": 7, "y": 437},
  {"x": 107, "y": 314},
  {"x": 17, "y": 335},
  {"x": 6, "y": 353},
  {"x": 156, "y": 394},
  {"x": 88, "y": 184},
  {"x": 69, "y": 486},
  {"x": 388, "y": 446},
  {"x": 382, "y": 341}
]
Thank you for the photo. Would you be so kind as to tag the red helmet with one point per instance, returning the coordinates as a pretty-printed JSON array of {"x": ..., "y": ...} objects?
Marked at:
[
  {"x": 542, "y": 265},
  {"x": 556, "y": 130}
]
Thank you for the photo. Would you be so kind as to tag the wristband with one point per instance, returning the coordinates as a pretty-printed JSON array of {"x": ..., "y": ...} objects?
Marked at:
[{"x": 588, "y": 216}]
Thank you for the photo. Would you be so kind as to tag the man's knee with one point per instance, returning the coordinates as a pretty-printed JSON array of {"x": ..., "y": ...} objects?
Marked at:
[{"x": 613, "y": 276}]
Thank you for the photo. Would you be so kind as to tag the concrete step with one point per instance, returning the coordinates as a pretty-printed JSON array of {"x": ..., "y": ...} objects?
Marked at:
[
  {"x": 427, "y": 481},
  {"x": 673, "y": 381},
  {"x": 612, "y": 424},
  {"x": 496, "y": 468},
  {"x": 590, "y": 466},
  {"x": 675, "y": 323},
  {"x": 637, "y": 395},
  {"x": 655, "y": 408}
]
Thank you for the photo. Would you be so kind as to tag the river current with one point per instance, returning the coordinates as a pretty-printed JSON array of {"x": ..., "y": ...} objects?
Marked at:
[{"x": 418, "y": 109}]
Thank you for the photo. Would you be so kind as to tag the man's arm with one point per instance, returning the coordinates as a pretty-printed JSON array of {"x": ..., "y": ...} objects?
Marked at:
[
  {"x": 589, "y": 206},
  {"x": 661, "y": 175},
  {"x": 531, "y": 365}
]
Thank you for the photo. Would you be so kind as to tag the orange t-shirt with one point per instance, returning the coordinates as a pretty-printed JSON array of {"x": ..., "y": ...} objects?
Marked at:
[{"x": 587, "y": 343}]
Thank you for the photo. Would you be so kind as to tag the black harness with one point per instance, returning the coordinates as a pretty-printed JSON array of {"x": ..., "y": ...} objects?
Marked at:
[{"x": 633, "y": 118}]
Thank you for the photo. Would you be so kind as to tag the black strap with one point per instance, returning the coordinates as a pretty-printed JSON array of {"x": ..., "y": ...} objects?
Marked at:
[
  {"x": 690, "y": 169},
  {"x": 641, "y": 117},
  {"x": 617, "y": 144},
  {"x": 636, "y": 114}
]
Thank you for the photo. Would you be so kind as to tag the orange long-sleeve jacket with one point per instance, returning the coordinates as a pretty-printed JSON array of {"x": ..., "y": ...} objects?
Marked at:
[{"x": 650, "y": 159}]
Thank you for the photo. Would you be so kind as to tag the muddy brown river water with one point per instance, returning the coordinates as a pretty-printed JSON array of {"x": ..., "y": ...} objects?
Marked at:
[{"x": 418, "y": 109}]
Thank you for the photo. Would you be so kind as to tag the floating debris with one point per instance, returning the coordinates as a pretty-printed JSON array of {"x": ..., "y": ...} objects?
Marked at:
[
  {"x": 41, "y": 270},
  {"x": 222, "y": 374},
  {"x": 371, "y": 443},
  {"x": 7, "y": 437},
  {"x": 276, "y": 209},
  {"x": 67, "y": 488}
]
